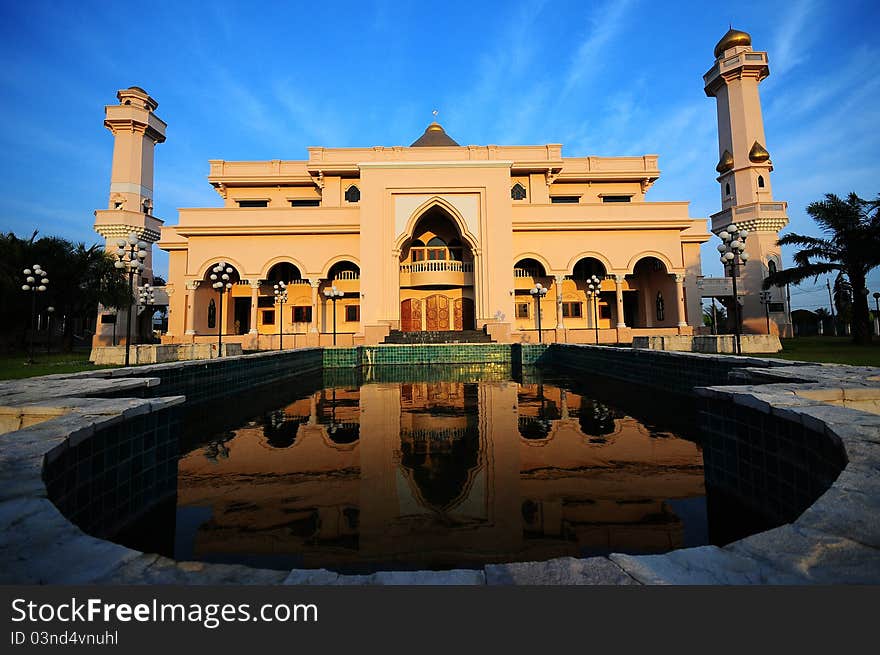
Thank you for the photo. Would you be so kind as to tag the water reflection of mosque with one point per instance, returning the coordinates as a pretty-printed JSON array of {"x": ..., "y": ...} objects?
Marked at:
[{"x": 440, "y": 474}]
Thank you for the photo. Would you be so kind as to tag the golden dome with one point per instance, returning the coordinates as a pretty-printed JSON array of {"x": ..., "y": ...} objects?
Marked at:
[
  {"x": 758, "y": 154},
  {"x": 725, "y": 163},
  {"x": 731, "y": 39},
  {"x": 434, "y": 135}
]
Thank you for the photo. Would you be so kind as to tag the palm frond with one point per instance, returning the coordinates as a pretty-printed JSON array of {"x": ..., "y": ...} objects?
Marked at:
[{"x": 798, "y": 274}]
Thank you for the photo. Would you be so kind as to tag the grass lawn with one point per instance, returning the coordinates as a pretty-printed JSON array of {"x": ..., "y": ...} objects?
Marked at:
[
  {"x": 15, "y": 366},
  {"x": 838, "y": 350}
]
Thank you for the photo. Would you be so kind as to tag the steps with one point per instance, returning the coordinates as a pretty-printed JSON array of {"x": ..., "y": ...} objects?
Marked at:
[{"x": 445, "y": 336}]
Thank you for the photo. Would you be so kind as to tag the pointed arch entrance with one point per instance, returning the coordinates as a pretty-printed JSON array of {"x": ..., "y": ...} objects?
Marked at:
[{"x": 436, "y": 276}]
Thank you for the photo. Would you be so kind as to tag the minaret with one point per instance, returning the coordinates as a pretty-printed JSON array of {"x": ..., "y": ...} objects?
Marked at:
[
  {"x": 136, "y": 131},
  {"x": 744, "y": 169}
]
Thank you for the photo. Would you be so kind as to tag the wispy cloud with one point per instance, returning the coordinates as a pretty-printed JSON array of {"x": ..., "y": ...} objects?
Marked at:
[{"x": 789, "y": 48}]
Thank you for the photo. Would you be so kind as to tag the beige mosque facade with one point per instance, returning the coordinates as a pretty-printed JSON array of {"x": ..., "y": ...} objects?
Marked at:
[{"x": 438, "y": 236}]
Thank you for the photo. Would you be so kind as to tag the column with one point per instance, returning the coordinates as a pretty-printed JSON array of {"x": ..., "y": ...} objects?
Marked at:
[
  {"x": 255, "y": 302},
  {"x": 315, "y": 283},
  {"x": 679, "y": 299},
  {"x": 557, "y": 287},
  {"x": 618, "y": 293},
  {"x": 191, "y": 306}
]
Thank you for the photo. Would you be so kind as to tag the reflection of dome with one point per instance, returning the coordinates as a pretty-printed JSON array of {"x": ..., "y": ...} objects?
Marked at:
[
  {"x": 533, "y": 427},
  {"x": 732, "y": 39}
]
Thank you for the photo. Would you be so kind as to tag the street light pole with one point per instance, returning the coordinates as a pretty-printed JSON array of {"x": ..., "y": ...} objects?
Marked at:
[
  {"x": 765, "y": 300},
  {"x": 34, "y": 281},
  {"x": 132, "y": 259},
  {"x": 222, "y": 281},
  {"x": 538, "y": 292},
  {"x": 280, "y": 299},
  {"x": 334, "y": 294},
  {"x": 877, "y": 313},
  {"x": 594, "y": 287},
  {"x": 733, "y": 252},
  {"x": 49, "y": 310},
  {"x": 146, "y": 299}
]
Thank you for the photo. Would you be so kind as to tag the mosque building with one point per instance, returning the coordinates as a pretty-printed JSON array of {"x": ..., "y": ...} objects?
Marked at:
[{"x": 439, "y": 237}]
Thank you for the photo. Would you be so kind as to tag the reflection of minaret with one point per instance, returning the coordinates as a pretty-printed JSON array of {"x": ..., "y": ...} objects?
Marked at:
[
  {"x": 136, "y": 131},
  {"x": 744, "y": 169}
]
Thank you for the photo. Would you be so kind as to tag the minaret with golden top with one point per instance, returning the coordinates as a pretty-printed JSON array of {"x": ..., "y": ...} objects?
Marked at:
[{"x": 744, "y": 169}]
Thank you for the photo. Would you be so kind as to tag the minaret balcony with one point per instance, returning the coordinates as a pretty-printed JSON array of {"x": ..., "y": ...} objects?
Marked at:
[
  {"x": 437, "y": 272},
  {"x": 754, "y": 216}
]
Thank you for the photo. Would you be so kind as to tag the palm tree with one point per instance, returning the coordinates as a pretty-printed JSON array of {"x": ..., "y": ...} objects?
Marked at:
[{"x": 851, "y": 246}]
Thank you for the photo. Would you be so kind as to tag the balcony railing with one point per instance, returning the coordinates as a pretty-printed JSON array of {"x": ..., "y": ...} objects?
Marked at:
[
  {"x": 347, "y": 275},
  {"x": 438, "y": 266}
]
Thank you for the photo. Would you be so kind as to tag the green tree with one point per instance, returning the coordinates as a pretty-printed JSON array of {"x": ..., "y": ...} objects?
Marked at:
[{"x": 851, "y": 246}]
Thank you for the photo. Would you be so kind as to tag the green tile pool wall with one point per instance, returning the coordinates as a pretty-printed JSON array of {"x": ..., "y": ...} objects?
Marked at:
[
  {"x": 763, "y": 463},
  {"x": 117, "y": 473},
  {"x": 201, "y": 380},
  {"x": 424, "y": 354},
  {"x": 529, "y": 354},
  {"x": 670, "y": 371}
]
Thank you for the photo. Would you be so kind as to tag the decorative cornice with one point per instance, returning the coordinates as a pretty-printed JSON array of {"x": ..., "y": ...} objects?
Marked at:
[
  {"x": 120, "y": 230},
  {"x": 437, "y": 164}
]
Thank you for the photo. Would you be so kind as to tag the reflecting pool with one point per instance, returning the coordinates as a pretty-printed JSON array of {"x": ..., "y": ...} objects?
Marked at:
[{"x": 458, "y": 470}]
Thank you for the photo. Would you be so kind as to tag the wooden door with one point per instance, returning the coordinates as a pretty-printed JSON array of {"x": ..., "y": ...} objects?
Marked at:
[
  {"x": 437, "y": 312},
  {"x": 411, "y": 315},
  {"x": 463, "y": 315}
]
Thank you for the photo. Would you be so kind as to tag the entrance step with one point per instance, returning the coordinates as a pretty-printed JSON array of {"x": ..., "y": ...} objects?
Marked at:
[{"x": 444, "y": 336}]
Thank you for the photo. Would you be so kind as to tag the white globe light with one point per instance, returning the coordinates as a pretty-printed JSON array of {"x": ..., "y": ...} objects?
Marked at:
[
  {"x": 132, "y": 239},
  {"x": 538, "y": 286},
  {"x": 533, "y": 291},
  {"x": 25, "y": 287},
  {"x": 744, "y": 256},
  {"x": 36, "y": 267},
  {"x": 743, "y": 234},
  {"x": 728, "y": 256},
  {"x": 736, "y": 244},
  {"x": 142, "y": 254},
  {"x": 45, "y": 280},
  {"x": 120, "y": 243},
  {"x": 229, "y": 270},
  {"x": 118, "y": 264},
  {"x": 229, "y": 285},
  {"x": 31, "y": 279},
  {"x": 27, "y": 271},
  {"x": 50, "y": 309},
  {"x": 42, "y": 287},
  {"x": 721, "y": 247},
  {"x": 732, "y": 228},
  {"x": 142, "y": 245}
]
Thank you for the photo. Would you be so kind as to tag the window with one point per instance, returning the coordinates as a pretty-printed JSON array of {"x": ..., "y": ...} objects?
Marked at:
[
  {"x": 418, "y": 255},
  {"x": 565, "y": 199},
  {"x": 777, "y": 307},
  {"x": 253, "y": 203},
  {"x": 436, "y": 253},
  {"x": 518, "y": 192},
  {"x": 616, "y": 198},
  {"x": 605, "y": 311},
  {"x": 212, "y": 314},
  {"x": 268, "y": 317},
  {"x": 266, "y": 301},
  {"x": 352, "y": 194},
  {"x": 118, "y": 204},
  {"x": 302, "y": 314},
  {"x": 352, "y": 313},
  {"x": 727, "y": 189},
  {"x": 760, "y": 181},
  {"x": 108, "y": 318},
  {"x": 771, "y": 267},
  {"x": 522, "y": 310},
  {"x": 571, "y": 310},
  {"x": 305, "y": 202},
  {"x": 661, "y": 313}
]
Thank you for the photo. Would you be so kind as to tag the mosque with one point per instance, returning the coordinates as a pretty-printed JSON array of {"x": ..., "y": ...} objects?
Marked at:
[{"x": 513, "y": 243}]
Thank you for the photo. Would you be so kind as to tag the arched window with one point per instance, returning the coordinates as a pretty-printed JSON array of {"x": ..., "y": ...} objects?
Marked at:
[
  {"x": 436, "y": 248},
  {"x": 661, "y": 313},
  {"x": 212, "y": 314},
  {"x": 771, "y": 267},
  {"x": 518, "y": 192},
  {"x": 760, "y": 181},
  {"x": 352, "y": 194},
  {"x": 727, "y": 189}
]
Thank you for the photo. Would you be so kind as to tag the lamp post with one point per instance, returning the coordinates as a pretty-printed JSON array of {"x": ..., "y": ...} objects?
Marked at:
[
  {"x": 765, "y": 300},
  {"x": 877, "y": 313},
  {"x": 35, "y": 281},
  {"x": 334, "y": 294},
  {"x": 49, "y": 311},
  {"x": 280, "y": 299},
  {"x": 130, "y": 258},
  {"x": 594, "y": 288},
  {"x": 146, "y": 299},
  {"x": 538, "y": 292},
  {"x": 221, "y": 280},
  {"x": 733, "y": 252}
]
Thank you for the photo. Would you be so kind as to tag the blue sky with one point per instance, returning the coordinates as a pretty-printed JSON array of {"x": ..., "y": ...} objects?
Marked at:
[{"x": 622, "y": 77}]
